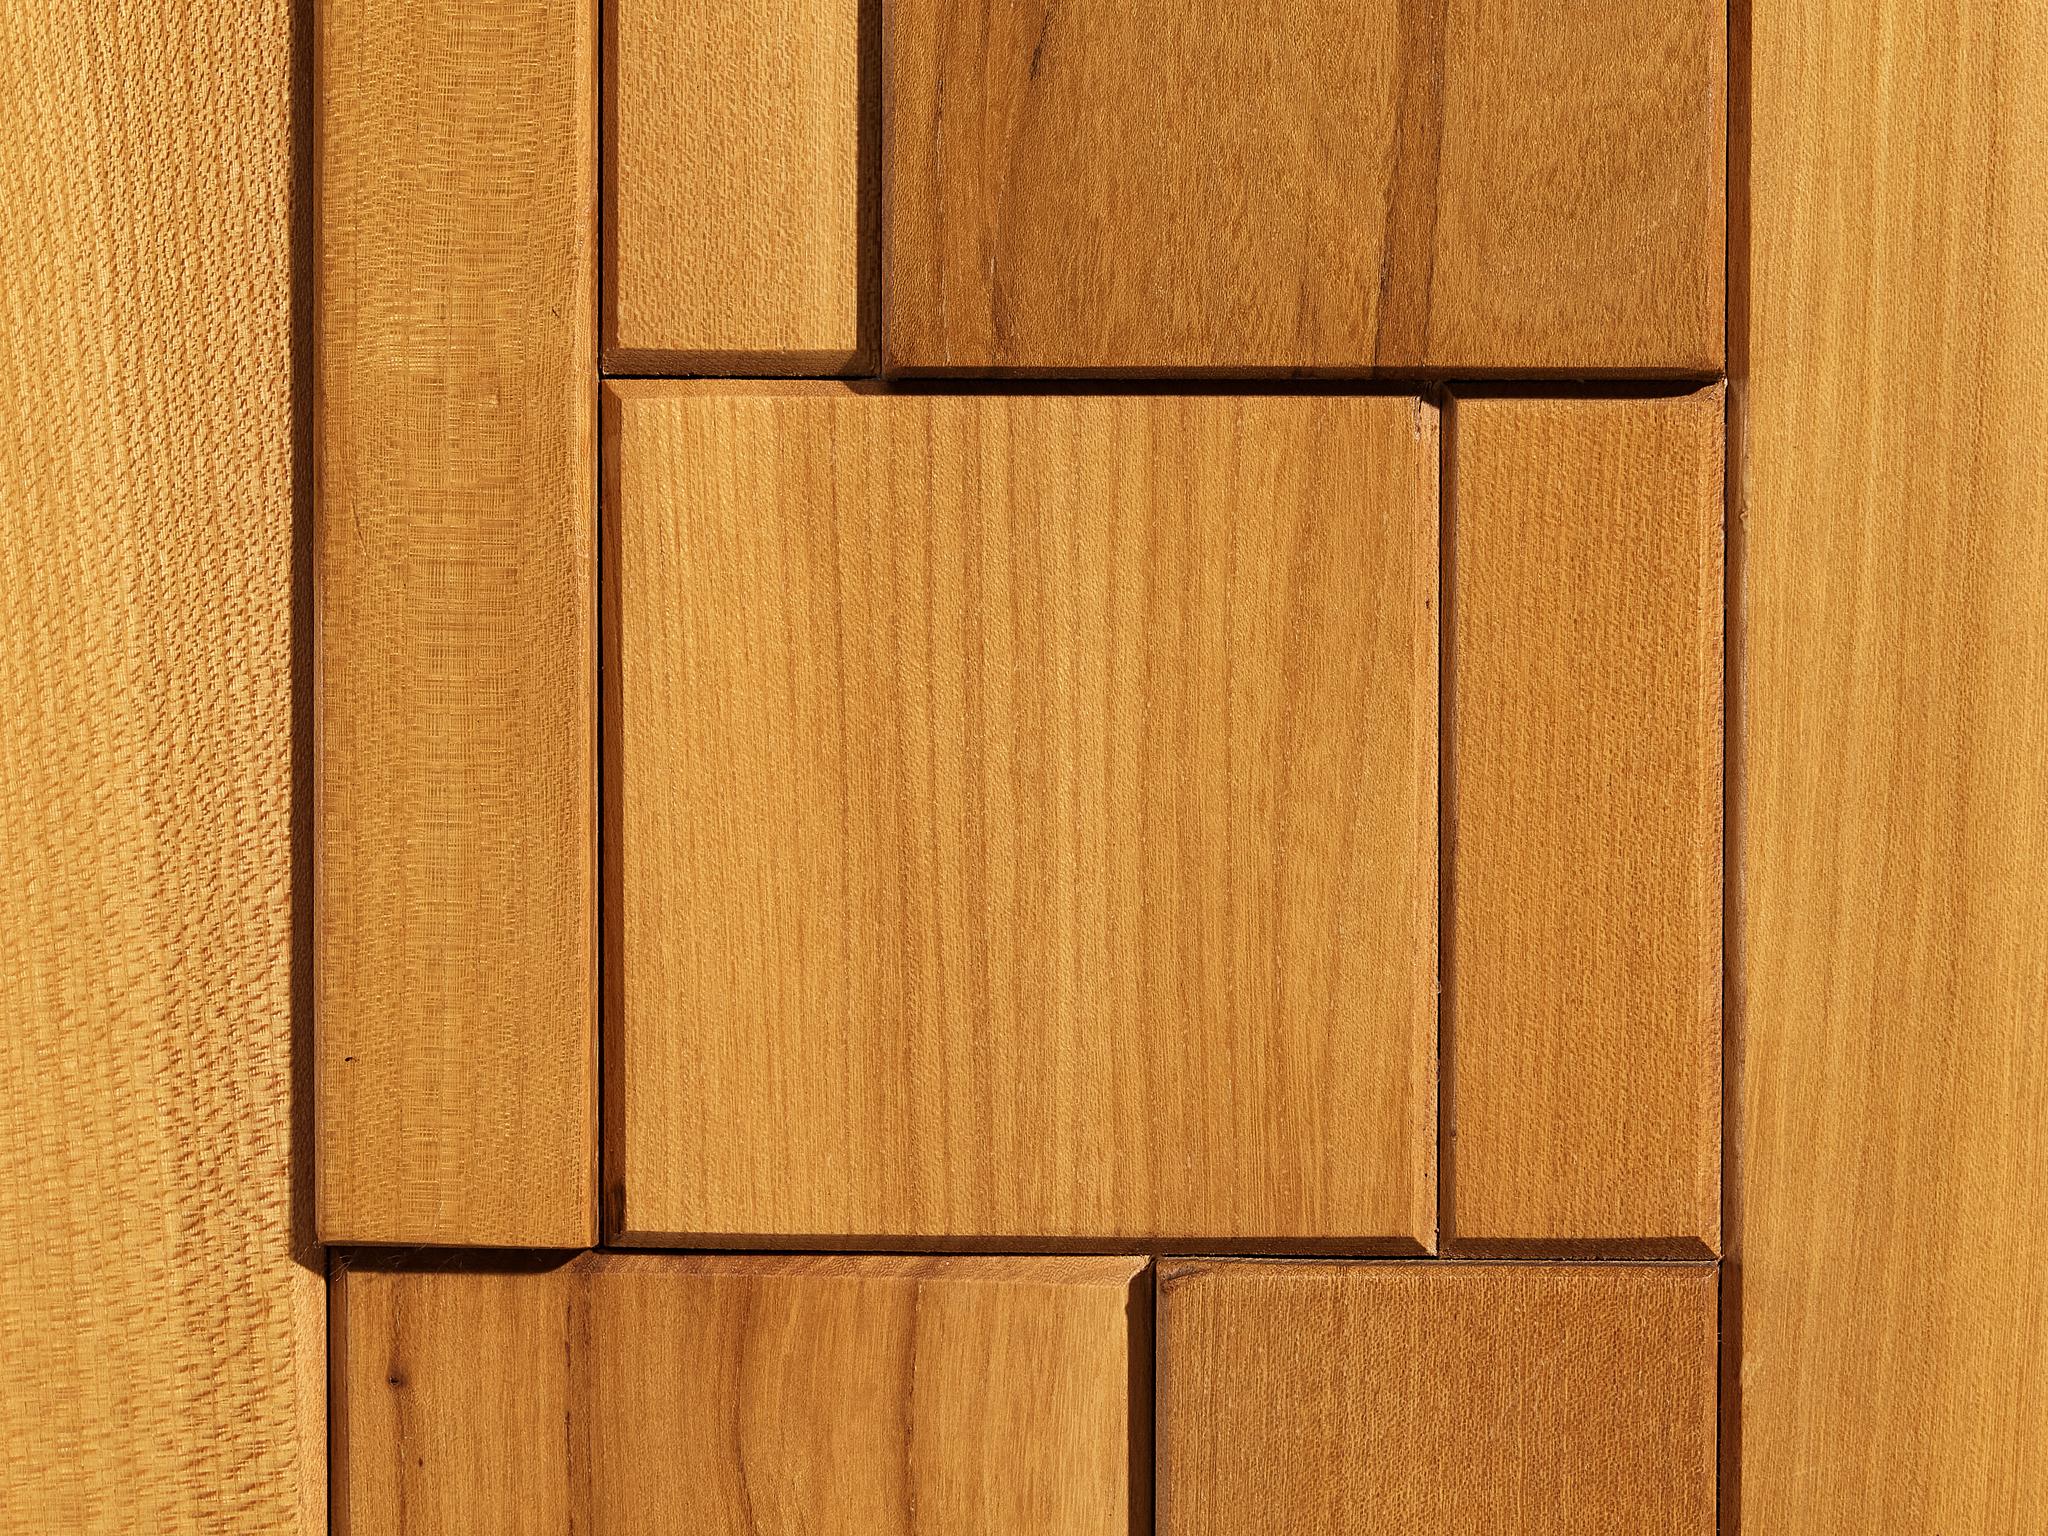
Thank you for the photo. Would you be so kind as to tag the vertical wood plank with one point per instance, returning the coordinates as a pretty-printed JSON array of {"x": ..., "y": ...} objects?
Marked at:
[
  {"x": 454, "y": 547},
  {"x": 1584, "y": 981},
  {"x": 1893, "y": 1327},
  {"x": 1021, "y": 822},
  {"x": 739, "y": 195},
  {"x": 1467, "y": 1399},
  {"x": 160, "y": 1294},
  {"x": 669, "y": 1396}
]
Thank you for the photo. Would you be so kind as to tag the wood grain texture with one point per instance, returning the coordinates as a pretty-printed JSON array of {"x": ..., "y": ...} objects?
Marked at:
[
  {"x": 672, "y": 1396},
  {"x": 739, "y": 189},
  {"x": 1022, "y": 817},
  {"x": 1466, "y": 1399},
  {"x": 1583, "y": 996},
  {"x": 1320, "y": 186},
  {"x": 160, "y": 1298},
  {"x": 455, "y": 324},
  {"x": 1894, "y": 1322}
]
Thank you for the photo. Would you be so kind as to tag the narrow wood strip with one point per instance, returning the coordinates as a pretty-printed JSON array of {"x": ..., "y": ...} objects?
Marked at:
[
  {"x": 1584, "y": 983},
  {"x": 1891, "y": 1364},
  {"x": 455, "y": 832}
]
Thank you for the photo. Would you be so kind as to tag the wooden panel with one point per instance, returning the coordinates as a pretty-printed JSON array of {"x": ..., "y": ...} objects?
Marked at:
[
  {"x": 1454, "y": 1398},
  {"x": 456, "y": 818},
  {"x": 1024, "y": 817},
  {"x": 1893, "y": 1333},
  {"x": 160, "y": 1297},
  {"x": 864, "y": 1396},
  {"x": 1322, "y": 185},
  {"x": 1584, "y": 979},
  {"x": 739, "y": 188}
]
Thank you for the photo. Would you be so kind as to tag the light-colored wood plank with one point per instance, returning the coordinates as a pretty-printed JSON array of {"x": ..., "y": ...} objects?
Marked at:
[
  {"x": 160, "y": 1295},
  {"x": 1466, "y": 1399},
  {"x": 1893, "y": 1329},
  {"x": 455, "y": 827},
  {"x": 739, "y": 186},
  {"x": 671, "y": 1396},
  {"x": 1583, "y": 987},
  {"x": 1247, "y": 186},
  {"x": 1023, "y": 817}
]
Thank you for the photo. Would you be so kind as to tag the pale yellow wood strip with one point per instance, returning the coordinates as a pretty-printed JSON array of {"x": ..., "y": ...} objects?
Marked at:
[
  {"x": 1893, "y": 1330},
  {"x": 1467, "y": 1399},
  {"x": 672, "y": 1396},
  {"x": 160, "y": 1296},
  {"x": 454, "y": 320},
  {"x": 739, "y": 187},
  {"x": 1022, "y": 818},
  {"x": 1583, "y": 983}
]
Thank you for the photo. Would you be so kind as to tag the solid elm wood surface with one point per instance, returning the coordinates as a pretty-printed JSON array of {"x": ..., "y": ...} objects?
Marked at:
[
  {"x": 1271, "y": 186},
  {"x": 1583, "y": 991},
  {"x": 1021, "y": 817},
  {"x": 739, "y": 186},
  {"x": 1467, "y": 1399},
  {"x": 454, "y": 338},
  {"x": 1894, "y": 1323},
  {"x": 160, "y": 1295},
  {"x": 674, "y": 1396}
]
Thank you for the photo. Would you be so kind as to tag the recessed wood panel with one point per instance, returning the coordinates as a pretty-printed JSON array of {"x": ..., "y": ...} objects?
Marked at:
[
  {"x": 455, "y": 826},
  {"x": 739, "y": 186},
  {"x": 1583, "y": 982},
  {"x": 1022, "y": 817},
  {"x": 1134, "y": 186},
  {"x": 160, "y": 1292},
  {"x": 1468, "y": 1399},
  {"x": 1890, "y": 1356},
  {"x": 671, "y": 1396}
]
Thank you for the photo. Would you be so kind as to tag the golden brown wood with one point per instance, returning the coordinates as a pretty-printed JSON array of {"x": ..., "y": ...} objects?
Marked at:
[
  {"x": 160, "y": 1299},
  {"x": 1023, "y": 817},
  {"x": 1894, "y": 1323},
  {"x": 1583, "y": 990},
  {"x": 671, "y": 1396},
  {"x": 739, "y": 187},
  {"x": 456, "y": 820},
  {"x": 1322, "y": 185},
  {"x": 1466, "y": 1399}
]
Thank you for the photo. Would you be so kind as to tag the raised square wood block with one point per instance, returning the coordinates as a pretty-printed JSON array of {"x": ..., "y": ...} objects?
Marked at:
[
  {"x": 1582, "y": 978},
  {"x": 1465, "y": 1399},
  {"x": 1281, "y": 186},
  {"x": 1020, "y": 818},
  {"x": 678, "y": 1396}
]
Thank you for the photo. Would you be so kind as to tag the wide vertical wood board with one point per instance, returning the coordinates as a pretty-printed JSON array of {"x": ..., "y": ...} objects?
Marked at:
[
  {"x": 1278, "y": 186},
  {"x": 739, "y": 189},
  {"x": 160, "y": 1297},
  {"x": 455, "y": 339},
  {"x": 1467, "y": 1399},
  {"x": 1583, "y": 814},
  {"x": 1893, "y": 1326},
  {"x": 671, "y": 1396},
  {"x": 1021, "y": 817}
]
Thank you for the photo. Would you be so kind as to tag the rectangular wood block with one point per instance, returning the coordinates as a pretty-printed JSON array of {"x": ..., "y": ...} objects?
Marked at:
[
  {"x": 1021, "y": 817},
  {"x": 673, "y": 1396},
  {"x": 160, "y": 1292},
  {"x": 1891, "y": 1351},
  {"x": 1279, "y": 186},
  {"x": 1468, "y": 1399},
  {"x": 1583, "y": 975},
  {"x": 455, "y": 818},
  {"x": 739, "y": 195}
]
